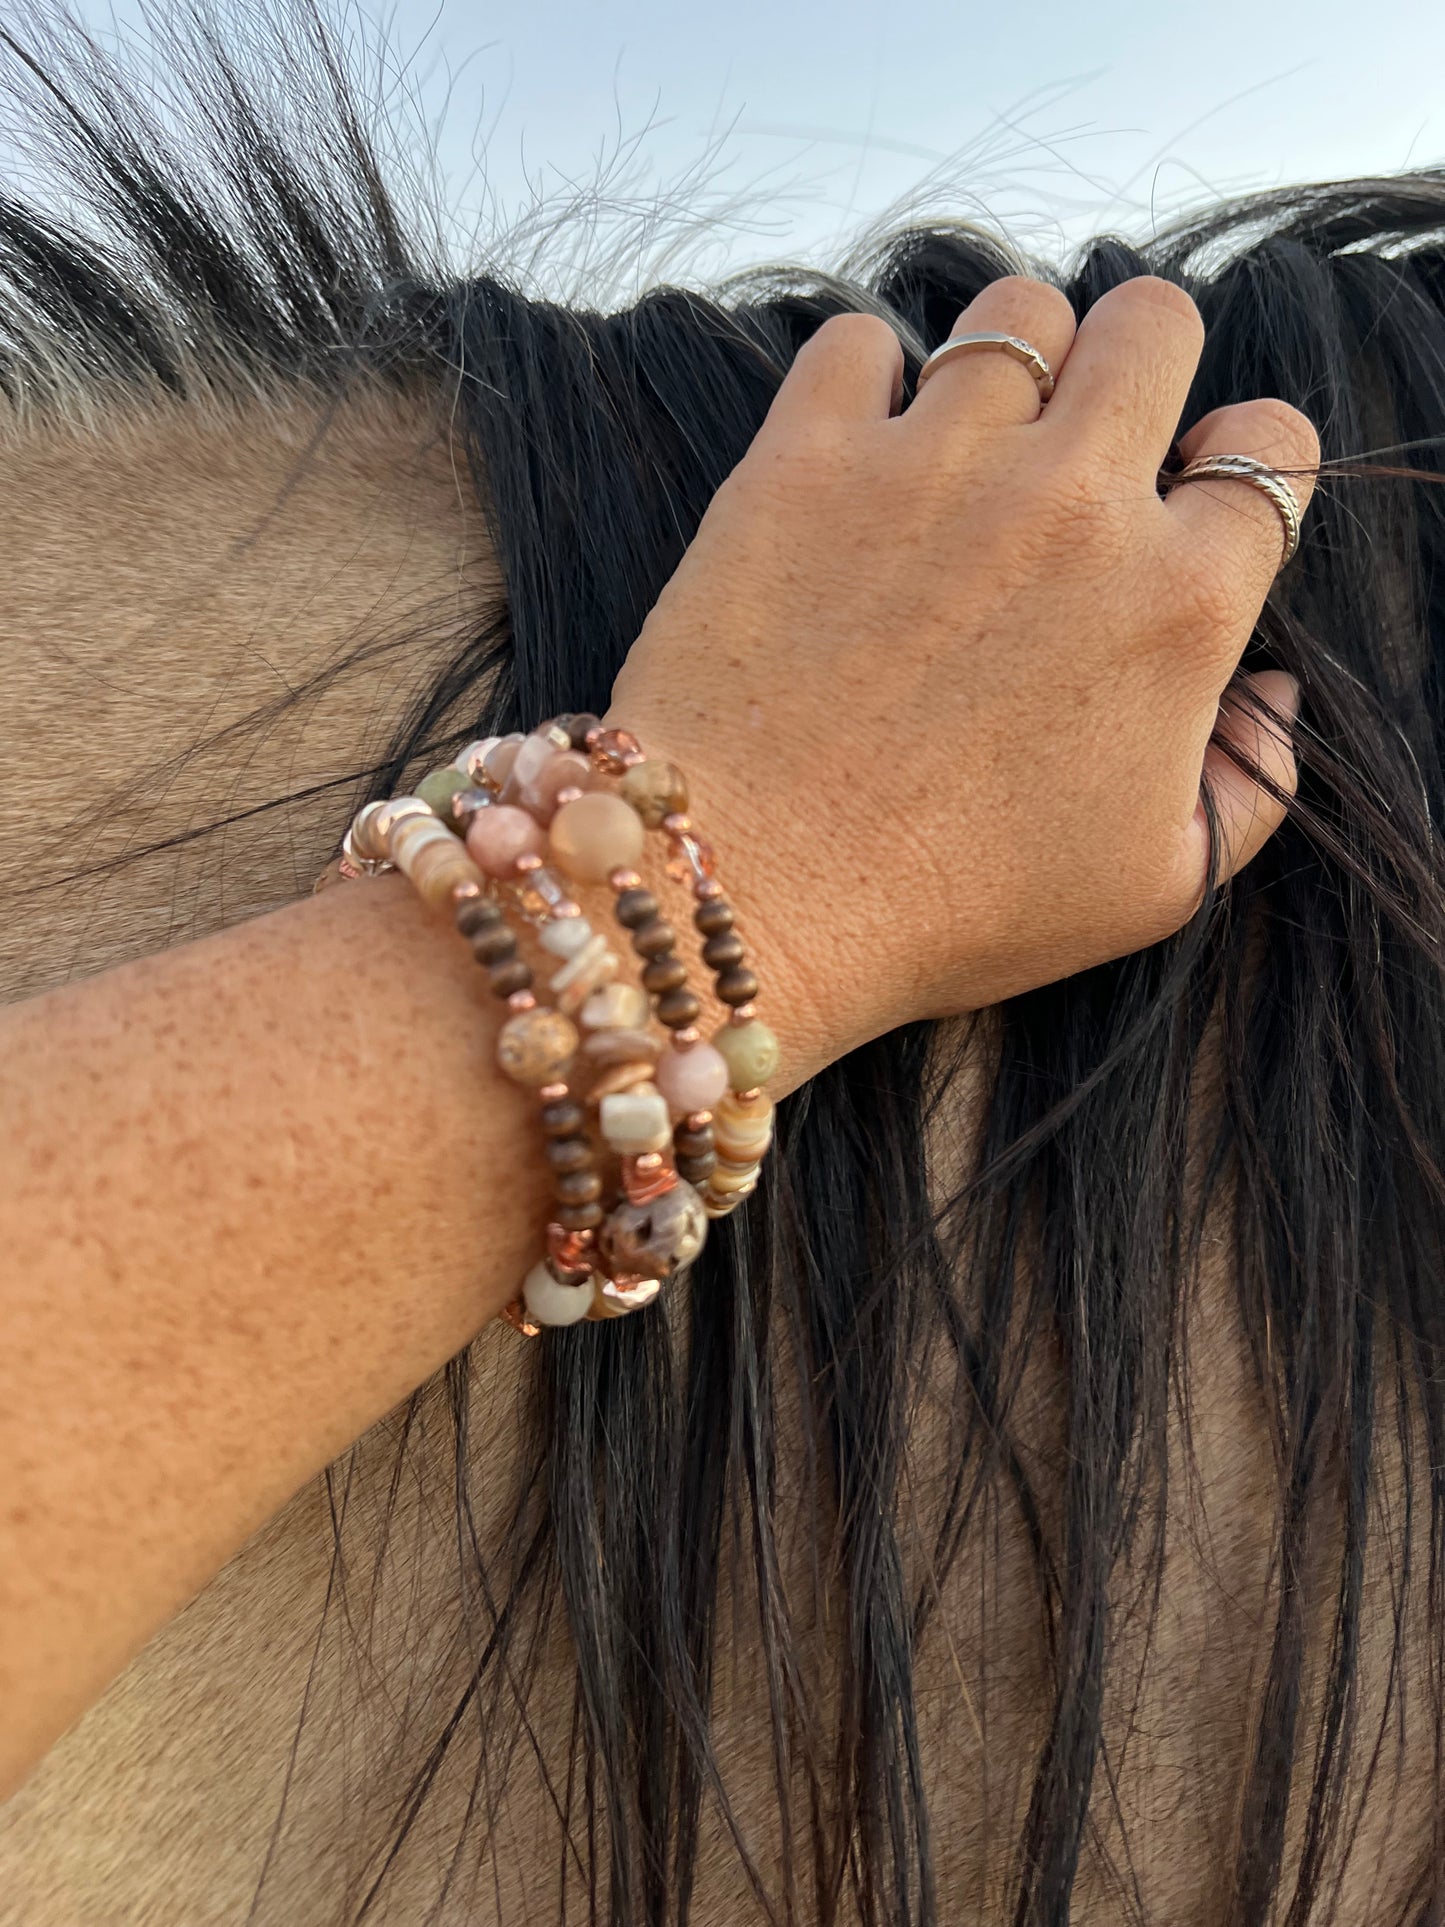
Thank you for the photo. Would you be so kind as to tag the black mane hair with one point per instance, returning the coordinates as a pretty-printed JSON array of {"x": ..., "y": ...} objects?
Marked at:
[{"x": 253, "y": 245}]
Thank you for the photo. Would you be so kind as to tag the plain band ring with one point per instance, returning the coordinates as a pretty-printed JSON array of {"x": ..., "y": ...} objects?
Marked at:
[
  {"x": 1244, "y": 468},
  {"x": 1014, "y": 345}
]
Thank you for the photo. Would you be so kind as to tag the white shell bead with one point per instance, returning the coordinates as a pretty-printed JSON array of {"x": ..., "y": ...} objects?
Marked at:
[
  {"x": 616, "y": 1007},
  {"x": 565, "y": 936},
  {"x": 550, "y": 1302}
]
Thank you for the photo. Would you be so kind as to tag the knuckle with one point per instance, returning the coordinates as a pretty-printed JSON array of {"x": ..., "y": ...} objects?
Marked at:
[
  {"x": 1211, "y": 605},
  {"x": 1290, "y": 435},
  {"x": 1040, "y": 302}
]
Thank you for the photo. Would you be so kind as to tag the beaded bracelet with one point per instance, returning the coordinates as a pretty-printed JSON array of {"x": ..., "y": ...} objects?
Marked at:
[{"x": 686, "y": 1121}]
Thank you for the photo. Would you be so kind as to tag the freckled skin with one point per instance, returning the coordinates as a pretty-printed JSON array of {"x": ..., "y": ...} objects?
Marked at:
[{"x": 285, "y": 1093}]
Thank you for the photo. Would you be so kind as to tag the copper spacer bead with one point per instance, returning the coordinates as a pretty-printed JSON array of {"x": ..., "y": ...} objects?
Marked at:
[
  {"x": 521, "y": 1000},
  {"x": 516, "y": 1316},
  {"x": 706, "y": 889},
  {"x": 568, "y": 795},
  {"x": 685, "y": 1038},
  {"x": 526, "y": 864},
  {"x": 698, "y": 1120},
  {"x": 677, "y": 823},
  {"x": 465, "y": 892},
  {"x": 748, "y": 1097},
  {"x": 743, "y": 1013},
  {"x": 622, "y": 879},
  {"x": 552, "y": 1093},
  {"x": 590, "y": 740}
]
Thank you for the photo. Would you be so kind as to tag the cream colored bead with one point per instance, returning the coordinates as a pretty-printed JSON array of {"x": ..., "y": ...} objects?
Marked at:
[
  {"x": 595, "y": 964},
  {"x": 413, "y": 835},
  {"x": 616, "y": 1007},
  {"x": 550, "y": 1302},
  {"x": 635, "y": 1121}
]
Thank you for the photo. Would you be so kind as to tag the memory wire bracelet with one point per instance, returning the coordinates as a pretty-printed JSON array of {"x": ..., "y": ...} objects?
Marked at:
[{"x": 647, "y": 1136}]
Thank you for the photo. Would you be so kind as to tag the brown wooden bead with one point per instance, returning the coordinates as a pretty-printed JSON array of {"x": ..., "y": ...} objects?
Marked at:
[
  {"x": 713, "y": 918},
  {"x": 496, "y": 944},
  {"x": 635, "y": 907},
  {"x": 570, "y": 1154},
  {"x": 504, "y": 979},
  {"x": 579, "y": 1217},
  {"x": 563, "y": 1117},
  {"x": 722, "y": 952},
  {"x": 654, "y": 938},
  {"x": 697, "y": 1170},
  {"x": 664, "y": 974},
  {"x": 693, "y": 1144},
  {"x": 677, "y": 1009},
  {"x": 578, "y": 1187},
  {"x": 476, "y": 914},
  {"x": 577, "y": 727},
  {"x": 737, "y": 987}
]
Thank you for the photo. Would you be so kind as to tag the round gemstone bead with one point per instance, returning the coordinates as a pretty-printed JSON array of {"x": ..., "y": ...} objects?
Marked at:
[
  {"x": 498, "y": 836},
  {"x": 692, "y": 1080},
  {"x": 563, "y": 770},
  {"x": 437, "y": 788},
  {"x": 751, "y": 1051},
  {"x": 534, "y": 752},
  {"x": 594, "y": 835},
  {"x": 536, "y": 1046},
  {"x": 550, "y": 1302},
  {"x": 657, "y": 1238},
  {"x": 655, "y": 789}
]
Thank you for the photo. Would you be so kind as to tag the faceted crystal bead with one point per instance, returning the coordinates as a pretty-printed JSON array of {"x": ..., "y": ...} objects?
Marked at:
[
  {"x": 542, "y": 893},
  {"x": 692, "y": 858},
  {"x": 615, "y": 749}
]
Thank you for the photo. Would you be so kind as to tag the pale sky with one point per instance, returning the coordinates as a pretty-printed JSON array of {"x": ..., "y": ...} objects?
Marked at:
[{"x": 1053, "y": 119}]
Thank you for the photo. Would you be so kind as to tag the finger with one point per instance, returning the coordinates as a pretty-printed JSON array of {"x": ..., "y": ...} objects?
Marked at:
[
  {"x": 1249, "y": 769},
  {"x": 1128, "y": 373},
  {"x": 1230, "y": 521},
  {"x": 851, "y": 368},
  {"x": 990, "y": 387}
]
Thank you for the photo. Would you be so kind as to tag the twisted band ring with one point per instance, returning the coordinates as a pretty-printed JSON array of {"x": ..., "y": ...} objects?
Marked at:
[{"x": 1244, "y": 468}]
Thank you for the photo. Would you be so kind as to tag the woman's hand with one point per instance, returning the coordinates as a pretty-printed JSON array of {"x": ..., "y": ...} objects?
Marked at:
[{"x": 945, "y": 682}]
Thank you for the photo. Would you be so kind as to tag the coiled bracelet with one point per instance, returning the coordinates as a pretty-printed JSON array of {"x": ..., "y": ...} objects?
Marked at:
[{"x": 647, "y": 1135}]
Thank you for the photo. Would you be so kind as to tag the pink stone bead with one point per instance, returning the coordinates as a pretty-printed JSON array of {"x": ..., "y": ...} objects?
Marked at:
[
  {"x": 595, "y": 835},
  {"x": 498, "y": 836},
  {"x": 566, "y": 770},
  {"x": 534, "y": 752},
  {"x": 691, "y": 1080}
]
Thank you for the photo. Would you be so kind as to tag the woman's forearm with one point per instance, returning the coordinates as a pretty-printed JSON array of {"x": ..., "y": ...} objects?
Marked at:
[{"x": 256, "y": 1190}]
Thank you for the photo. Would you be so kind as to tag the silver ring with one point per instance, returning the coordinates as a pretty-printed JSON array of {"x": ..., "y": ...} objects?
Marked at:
[
  {"x": 1244, "y": 468},
  {"x": 1015, "y": 345}
]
